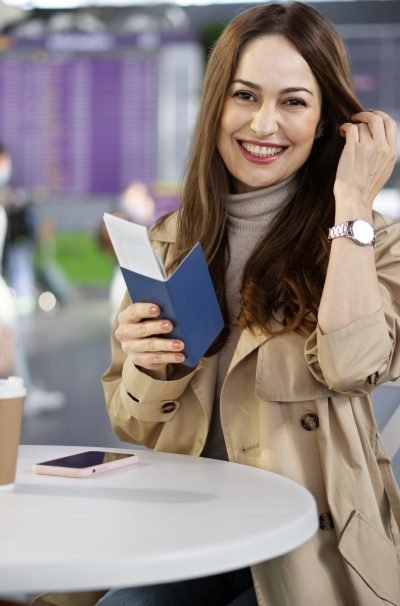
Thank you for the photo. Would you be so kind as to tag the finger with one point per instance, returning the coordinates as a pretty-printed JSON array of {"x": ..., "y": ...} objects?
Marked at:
[
  {"x": 138, "y": 312},
  {"x": 374, "y": 122},
  {"x": 350, "y": 132},
  {"x": 364, "y": 134},
  {"x": 390, "y": 126},
  {"x": 150, "y": 328},
  {"x": 142, "y": 330},
  {"x": 156, "y": 345},
  {"x": 148, "y": 360}
]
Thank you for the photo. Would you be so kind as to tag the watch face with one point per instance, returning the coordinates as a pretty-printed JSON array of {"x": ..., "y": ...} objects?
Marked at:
[{"x": 363, "y": 231}]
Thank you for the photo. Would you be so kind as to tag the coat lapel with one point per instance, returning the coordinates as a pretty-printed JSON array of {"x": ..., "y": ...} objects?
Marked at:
[
  {"x": 203, "y": 383},
  {"x": 248, "y": 342}
]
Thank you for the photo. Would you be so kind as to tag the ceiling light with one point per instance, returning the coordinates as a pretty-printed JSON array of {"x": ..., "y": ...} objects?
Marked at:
[{"x": 63, "y": 4}]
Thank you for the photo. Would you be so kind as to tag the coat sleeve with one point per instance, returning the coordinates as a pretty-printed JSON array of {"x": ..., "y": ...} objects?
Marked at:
[
  {"x": 138, "y": 405},
  {"x": 356, "y": 358}
]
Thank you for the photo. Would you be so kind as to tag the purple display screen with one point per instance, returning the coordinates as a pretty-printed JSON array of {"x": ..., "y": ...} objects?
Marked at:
[{"x": 80, "y": 123}]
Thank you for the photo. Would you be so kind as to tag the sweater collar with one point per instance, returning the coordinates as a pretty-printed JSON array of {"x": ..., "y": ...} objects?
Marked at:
[{"x": 257, "y": 205}]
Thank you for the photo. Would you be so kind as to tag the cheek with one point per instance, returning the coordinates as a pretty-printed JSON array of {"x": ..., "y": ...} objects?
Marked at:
[
  {"x": 220, "y": 141},
  {"x": 304, "y": 133},
  {"x": 233, "y": 118},
  {"x": 222, "y": 130},
  {"x": 225, "y": 127},
  {"x": 224, "y": 135}
]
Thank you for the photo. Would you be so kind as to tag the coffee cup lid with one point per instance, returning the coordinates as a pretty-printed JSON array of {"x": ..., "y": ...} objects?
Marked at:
[{"x": 13, "y": 387}]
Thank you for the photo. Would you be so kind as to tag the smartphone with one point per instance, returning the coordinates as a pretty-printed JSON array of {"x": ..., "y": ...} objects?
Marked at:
[{"x": 85, "y": 464}]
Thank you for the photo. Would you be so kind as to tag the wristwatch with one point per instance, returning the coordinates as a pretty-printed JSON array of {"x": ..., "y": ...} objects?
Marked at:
[{"x": 360, "y": 231}]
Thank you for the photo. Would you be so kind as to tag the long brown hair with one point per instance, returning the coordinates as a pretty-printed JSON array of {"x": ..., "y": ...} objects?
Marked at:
[{"x": 287, "y": 269}]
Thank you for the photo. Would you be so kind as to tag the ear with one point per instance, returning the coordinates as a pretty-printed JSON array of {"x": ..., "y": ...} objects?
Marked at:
[{"x": 320, "y": 131}]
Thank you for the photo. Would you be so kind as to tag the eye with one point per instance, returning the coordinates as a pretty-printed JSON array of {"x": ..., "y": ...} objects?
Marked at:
[
  {"x": 243, "y": 95},
  {"x": 295, "y": 102}
]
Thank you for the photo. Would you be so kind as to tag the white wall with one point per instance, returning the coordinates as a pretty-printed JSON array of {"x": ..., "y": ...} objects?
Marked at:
[{"x": 180, "y": 77}]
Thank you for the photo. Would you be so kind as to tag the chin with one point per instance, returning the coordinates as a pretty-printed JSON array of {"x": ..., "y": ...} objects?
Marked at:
[{"x": 243, "y": 188}]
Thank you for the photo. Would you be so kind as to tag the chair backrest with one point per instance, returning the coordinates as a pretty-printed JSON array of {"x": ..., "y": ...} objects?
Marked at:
[{"x": 390, "y": 434}]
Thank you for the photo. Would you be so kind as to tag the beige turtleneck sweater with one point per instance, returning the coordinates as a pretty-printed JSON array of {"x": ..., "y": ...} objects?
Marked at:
[{"x": 249, "y": 217}]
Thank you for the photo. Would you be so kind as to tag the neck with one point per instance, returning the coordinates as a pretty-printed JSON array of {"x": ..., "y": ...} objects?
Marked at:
[{"x": 253, "y": 210}]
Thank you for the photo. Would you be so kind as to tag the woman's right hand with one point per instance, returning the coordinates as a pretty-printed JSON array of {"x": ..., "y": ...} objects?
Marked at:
[{"x": 139, "y": 329}]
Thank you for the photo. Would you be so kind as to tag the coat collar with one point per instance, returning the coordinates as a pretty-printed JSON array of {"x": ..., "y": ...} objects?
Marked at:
[
  {"x": 166, "y": 231},
  {"x": 248, "y": 342}
]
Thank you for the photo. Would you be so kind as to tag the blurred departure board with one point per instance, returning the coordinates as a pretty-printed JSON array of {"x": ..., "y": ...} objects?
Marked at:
[
  {"x": 374, "y": 52},
  {"x": 81, "y": 117}
]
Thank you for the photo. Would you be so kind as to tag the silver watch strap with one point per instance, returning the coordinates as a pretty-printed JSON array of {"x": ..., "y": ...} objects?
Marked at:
[{"x": 338, "y": 231}]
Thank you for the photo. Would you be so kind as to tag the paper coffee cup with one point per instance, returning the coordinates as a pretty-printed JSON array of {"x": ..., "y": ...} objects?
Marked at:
[{"x": 12, "y": 397}]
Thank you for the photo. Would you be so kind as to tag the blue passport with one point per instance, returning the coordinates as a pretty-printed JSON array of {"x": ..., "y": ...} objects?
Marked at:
[{"x": 187, "y": 297}]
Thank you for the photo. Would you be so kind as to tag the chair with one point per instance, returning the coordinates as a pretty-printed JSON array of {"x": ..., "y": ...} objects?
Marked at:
[{"x": 390, "y": 434}]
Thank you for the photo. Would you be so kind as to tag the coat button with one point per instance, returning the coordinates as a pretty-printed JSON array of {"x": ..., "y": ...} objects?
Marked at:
[
  {"x": 326, "y": 521},
  {"x": 309, "y": 422},
  {"x": 168, "y": 407}
]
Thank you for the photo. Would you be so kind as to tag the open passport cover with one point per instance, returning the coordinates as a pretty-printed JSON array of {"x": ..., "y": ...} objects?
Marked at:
[{"x": 187, "y": 297}]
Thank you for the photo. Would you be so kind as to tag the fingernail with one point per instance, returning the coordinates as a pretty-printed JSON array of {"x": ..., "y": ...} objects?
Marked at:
[
  {"x": 153, "y": 310},
  {"x": 165, "y": 325},
  {"x": 179, "y": 358},
  {"x": 177, "y": 345}
]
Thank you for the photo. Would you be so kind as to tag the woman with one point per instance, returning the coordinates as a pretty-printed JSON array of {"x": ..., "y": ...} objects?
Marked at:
[{"x": 283, "y": 158}]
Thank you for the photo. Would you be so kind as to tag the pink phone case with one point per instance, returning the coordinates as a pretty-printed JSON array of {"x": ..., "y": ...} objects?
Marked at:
[{"x": 84, "y": 471}]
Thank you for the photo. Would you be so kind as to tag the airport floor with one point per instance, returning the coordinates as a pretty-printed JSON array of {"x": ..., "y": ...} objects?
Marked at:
[{"x": 68, "y": 349}]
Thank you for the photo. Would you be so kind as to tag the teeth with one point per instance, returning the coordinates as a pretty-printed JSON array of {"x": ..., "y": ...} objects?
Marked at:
[{"x": 261, "y": 151}]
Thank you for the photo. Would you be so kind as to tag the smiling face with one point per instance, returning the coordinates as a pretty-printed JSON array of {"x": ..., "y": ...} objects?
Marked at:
[{"x": 270, "y": 116}]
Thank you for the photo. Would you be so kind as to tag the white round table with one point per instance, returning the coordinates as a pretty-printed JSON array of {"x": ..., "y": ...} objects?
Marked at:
[{"x": 169, "y": 517}]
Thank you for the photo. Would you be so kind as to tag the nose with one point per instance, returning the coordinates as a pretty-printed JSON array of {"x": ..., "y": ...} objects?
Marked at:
[{"x": 264, "y": 121}]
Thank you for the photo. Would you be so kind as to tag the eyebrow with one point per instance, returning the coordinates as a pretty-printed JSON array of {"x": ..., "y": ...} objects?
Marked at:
[{"x": 290, "y": 89}]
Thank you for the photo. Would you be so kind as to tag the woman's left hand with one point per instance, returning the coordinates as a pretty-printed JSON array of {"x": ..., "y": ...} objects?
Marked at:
[{"x": 368, "y": 157}]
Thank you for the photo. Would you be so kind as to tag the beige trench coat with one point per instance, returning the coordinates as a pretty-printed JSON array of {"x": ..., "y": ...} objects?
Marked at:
[{"x": 299, "y": 407}]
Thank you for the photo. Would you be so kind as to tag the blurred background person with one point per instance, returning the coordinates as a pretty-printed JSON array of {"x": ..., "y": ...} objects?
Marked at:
[
  {"x": 17, "y": 292},
  {"x": 8, "y": 315},
  {"x": 20, "y": 241},
  {"x": 49, "y": 274}
]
